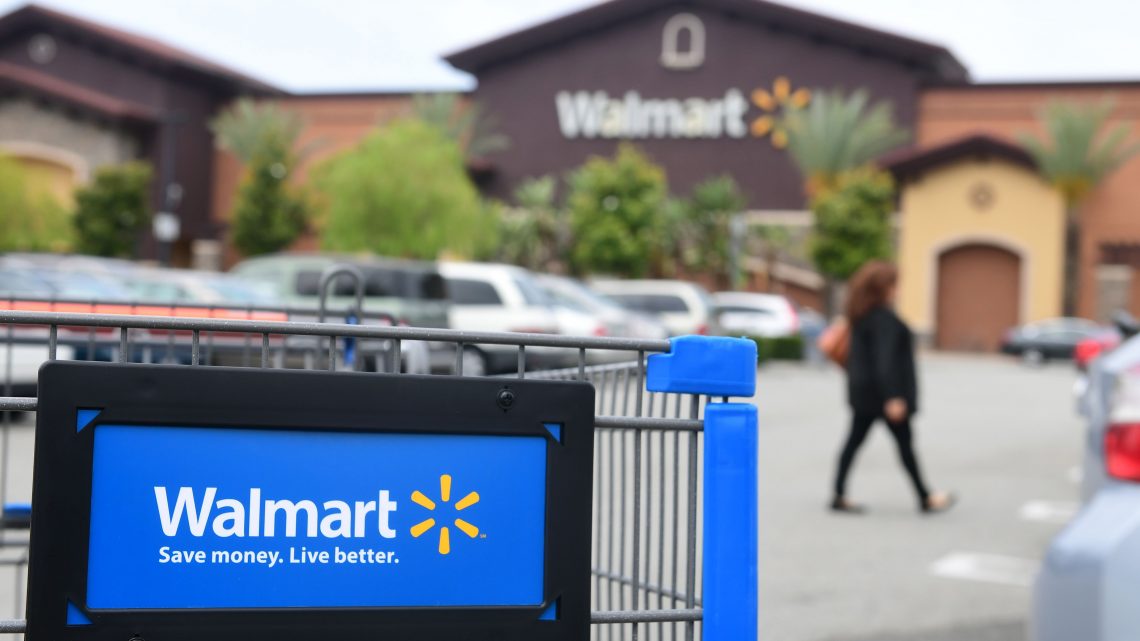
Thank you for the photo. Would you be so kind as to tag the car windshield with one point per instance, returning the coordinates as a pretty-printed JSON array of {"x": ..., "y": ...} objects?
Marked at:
[
  {"x": 743, "y": 309},
  {"x": 562, "y": 299},
  {"x": 585, "y": 296},
  {"x": 236, "y": 290},
  {"x": 652, "y": 303},
  {"x": 19, "y": 282},
  {"x": 531, "y": 292},
  {"x": 84, "y": 286}
]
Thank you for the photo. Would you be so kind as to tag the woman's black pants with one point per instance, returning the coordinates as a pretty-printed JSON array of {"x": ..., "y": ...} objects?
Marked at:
[{"x": 860, "y": 427}]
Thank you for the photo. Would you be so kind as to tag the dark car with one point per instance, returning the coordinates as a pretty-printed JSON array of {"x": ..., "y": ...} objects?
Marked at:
[{"x": 1055, "y": 338}]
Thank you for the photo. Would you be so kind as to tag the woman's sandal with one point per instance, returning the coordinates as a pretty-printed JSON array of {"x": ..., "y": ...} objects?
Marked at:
[
  {"x": 938, "y": 503},
  {"x": 840, "y": 504}
]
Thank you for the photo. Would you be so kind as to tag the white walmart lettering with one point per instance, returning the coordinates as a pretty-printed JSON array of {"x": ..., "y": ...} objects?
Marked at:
[
  {"x": 232, "y": 517},
  {"x": 585, "y": 114}
]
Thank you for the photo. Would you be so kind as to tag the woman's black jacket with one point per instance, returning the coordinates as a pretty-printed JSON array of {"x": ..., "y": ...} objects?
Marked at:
[{"x": 880, "y": 363}]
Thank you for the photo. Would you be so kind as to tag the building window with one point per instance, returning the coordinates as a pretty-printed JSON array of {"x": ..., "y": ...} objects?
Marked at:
[{"x": 683, "y": 42}]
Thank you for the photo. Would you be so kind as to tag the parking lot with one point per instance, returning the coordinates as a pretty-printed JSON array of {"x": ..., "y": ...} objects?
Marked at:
[{"x": 1004, "y": 437}]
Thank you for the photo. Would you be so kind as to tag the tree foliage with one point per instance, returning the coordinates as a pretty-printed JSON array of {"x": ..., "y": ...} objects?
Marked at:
[
  {"x": 1076, "y": 155},
  {"x": 403, "y": 191},
  {"x": 704, "y": 234},
  {"x": 249, "y": 128},
  {"x": 773, "y": 240},
  {"x": 837, "y": 133},
  {"x": 268, "y": 215},
  {"x": 1077, "y": 152},
  {"x": 615, "y": 213},
  {"x": 852, "y": 222},
  {"x": 112, "y": 211},
  {"x": 535, "y": 232},
  {"x": 466, "y": 124}
]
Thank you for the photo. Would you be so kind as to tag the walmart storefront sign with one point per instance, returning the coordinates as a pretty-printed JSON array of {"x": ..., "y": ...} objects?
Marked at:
[
  {"x": 596, "y": 114},
  {"x": 227, "y": 503}
]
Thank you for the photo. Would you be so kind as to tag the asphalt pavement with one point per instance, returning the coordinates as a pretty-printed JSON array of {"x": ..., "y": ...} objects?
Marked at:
[{"x": 1003, "y": 436}]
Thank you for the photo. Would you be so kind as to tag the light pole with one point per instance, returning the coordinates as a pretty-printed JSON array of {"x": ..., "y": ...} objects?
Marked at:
[{"x": 167, "y": 226}]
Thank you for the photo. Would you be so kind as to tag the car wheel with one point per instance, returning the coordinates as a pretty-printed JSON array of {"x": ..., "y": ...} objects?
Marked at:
[
  {"x": 1033, "y": 357},
  {"x": 474, "y": 362}
]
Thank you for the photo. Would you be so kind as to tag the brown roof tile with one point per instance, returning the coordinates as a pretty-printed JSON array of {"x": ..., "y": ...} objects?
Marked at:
[
  {"x": 141, "y": 45},
  {"x": 41, "y": 83},
  {"x": 908, "y": 163},
  {"x": 937, "y": 60}
]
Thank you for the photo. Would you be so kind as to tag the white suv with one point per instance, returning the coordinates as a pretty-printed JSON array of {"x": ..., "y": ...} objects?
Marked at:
[
  {"x": 497, "y": 298},
  {"x": 684, "y": 308},
  {"x": 759, "y": 315}
]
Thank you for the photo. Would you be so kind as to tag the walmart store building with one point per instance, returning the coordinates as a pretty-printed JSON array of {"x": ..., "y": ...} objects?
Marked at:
[{"x": 696, "y": 84}]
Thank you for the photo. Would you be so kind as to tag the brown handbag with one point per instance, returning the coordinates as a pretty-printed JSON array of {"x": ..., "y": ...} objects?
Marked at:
[{"x": 835, "y": 341}]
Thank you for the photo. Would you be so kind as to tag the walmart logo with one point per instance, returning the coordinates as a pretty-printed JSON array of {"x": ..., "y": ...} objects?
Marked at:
[
  {"x": 421, "y": 528},
  {"x": 597, "y": 114}
]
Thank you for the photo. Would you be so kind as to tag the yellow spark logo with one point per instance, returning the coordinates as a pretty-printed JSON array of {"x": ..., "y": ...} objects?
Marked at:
[
  {"x": 773, "y": 103},
  {"x": 423, "y": 501}
]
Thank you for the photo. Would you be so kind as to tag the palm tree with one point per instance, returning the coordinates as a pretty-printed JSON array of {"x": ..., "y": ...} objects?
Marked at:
[
  {"x": 470, "y": 128},
  {"x": 1075, "y": 156},
  {"x": 248, "y": 127},
  {"x": 836, "y": 133},
  {"x": 835, "y": 136}
]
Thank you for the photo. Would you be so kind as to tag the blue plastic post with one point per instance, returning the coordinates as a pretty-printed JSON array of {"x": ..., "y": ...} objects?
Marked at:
[
  {"x": 730, "y": 522},
  {"x": 721, "y": 366}
]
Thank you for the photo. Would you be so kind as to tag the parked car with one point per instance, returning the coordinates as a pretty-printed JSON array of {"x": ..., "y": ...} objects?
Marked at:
[
  {"x": 1088, "y": 349},
  {"x": 684, "y": 308},
  {"x": 1054, "y": 338},
  {"x": 618, "y": 320},
  {"x": 410, "y": 292},
  {"x": 499, "y": 298},
  {"x": 1087, "y": 587},
  {"x": 760, "y": 315},
  {"x": 158, "y": 285}
]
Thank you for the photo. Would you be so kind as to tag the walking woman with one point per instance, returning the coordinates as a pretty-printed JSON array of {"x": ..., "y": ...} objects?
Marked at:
[{"x": 881, "y": 381}]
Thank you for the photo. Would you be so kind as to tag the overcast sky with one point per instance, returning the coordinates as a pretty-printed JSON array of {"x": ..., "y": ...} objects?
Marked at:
[{"x": 335, "y": 45}]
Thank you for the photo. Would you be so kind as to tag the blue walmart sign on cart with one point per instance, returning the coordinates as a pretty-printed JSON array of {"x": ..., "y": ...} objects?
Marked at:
[
  {"x": 194, "y": 501},
  {"x": 396, "y": 520}
]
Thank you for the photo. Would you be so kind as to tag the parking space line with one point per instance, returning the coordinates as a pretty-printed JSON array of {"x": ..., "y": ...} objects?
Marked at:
[
  {"x": 1056, "y": 512},
  {"x": 986, "y": 568}
]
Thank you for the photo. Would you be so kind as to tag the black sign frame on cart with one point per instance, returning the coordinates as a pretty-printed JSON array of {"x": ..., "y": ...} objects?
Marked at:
[{"x": 93, "y": 416}]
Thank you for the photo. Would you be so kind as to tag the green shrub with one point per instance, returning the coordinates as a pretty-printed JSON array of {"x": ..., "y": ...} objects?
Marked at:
[
  {"x": 404, "y": 191},
  {"x": 113, "y": 210},
  {"x": 268, "y": 216},
  {"x": 616, "y": 206},
  {"x": 853, "y": 222},
  {"x": 784, "y": 348},
  {"x": 30, "y": 219}
]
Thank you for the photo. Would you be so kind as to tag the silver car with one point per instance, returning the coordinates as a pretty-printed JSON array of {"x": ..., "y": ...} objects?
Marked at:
[{"x": 1089, "y": 585}]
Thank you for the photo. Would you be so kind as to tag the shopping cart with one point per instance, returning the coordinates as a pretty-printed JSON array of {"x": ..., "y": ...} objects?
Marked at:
[{"x": 674, "y": 536}]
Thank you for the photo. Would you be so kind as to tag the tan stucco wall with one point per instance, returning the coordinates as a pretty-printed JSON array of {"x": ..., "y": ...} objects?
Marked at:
[
  {"x": 1025, "y": 216},
  {"x": 1109, "y": 214}
]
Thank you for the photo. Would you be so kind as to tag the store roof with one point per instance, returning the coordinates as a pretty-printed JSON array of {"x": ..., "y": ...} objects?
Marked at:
[
  {"x": 910, "y": 163},
  {"x": 940, "y": 62},
  {"x": 49, "y": 86},
  {"x": 36, "y": 17}
]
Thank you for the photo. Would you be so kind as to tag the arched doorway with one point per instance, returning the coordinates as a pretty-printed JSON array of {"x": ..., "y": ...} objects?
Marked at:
[{"x": 979, "y": 296}]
